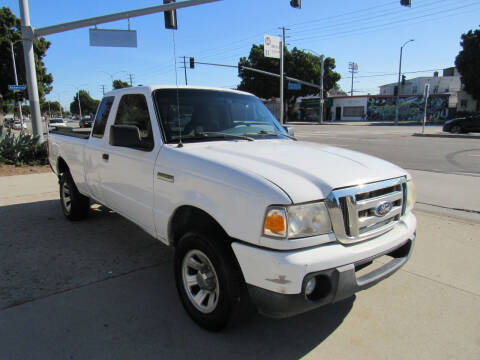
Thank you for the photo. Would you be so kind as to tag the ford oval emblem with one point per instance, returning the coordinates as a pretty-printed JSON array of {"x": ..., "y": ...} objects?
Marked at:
[{"x": 383, "y": 208}]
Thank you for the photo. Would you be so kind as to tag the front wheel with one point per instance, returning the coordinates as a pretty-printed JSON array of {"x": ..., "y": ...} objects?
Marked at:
[
  {"x": 456, "y": 129},
  {"x": 209, "y": 281}
]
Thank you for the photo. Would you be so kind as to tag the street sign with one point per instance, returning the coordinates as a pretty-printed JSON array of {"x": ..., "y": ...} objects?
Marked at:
[
  {"x": 17, "y": 87},
  {"x": 294, "y": 86},
  {"x": 271, "y": 46},
  {"x": 113, "y": 38}
]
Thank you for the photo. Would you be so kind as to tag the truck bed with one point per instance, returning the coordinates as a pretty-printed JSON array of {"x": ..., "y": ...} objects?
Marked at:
[{"x": 78, "y": 133}]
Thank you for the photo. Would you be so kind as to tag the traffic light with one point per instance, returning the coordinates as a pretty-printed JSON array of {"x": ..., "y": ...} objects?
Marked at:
[
  {"x": 406, "y": 3},
  {"x": 18, "y": 96},
  {"x": 404, "y": 78},
  {"x": 296, "y": 4},
  {"x": 192, "y": 63},
  {"x": 170, "y": 16}
]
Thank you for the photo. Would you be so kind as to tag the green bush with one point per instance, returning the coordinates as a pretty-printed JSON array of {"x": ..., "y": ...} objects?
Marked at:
[{"x": 23, "y": 149}]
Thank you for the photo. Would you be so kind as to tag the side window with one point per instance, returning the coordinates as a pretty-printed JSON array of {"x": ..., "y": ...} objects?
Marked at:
[
  {"x": 133, "y": 110},
  {"x": 102, "y": 116}
]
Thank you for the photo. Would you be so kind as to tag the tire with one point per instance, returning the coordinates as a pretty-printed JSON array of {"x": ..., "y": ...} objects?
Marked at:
[
  {"x": 75, "y": 206},
  {"x": 456, "y": 129},
  {"x": 204, "y": 262}
]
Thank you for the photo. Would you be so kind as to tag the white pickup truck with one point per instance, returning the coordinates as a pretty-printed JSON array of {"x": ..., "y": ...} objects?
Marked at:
[{"x": 254, "y": 215}]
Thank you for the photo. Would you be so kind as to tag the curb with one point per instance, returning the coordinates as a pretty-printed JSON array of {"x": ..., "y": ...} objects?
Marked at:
[{"x": 456, "y": 136}]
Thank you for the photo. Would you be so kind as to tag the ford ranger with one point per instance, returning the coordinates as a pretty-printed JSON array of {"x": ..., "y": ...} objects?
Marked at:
[{"x": 254, "y": 216}]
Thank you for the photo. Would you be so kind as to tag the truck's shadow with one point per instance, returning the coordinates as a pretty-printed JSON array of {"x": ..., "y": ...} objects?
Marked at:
[{"x": 111, "y": 285}]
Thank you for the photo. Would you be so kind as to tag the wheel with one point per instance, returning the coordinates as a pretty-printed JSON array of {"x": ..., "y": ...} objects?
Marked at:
[
  {"x": 209, "y": 281},
  {"x": 456, "y": 129},
  {"x": 75, "y": 206}
]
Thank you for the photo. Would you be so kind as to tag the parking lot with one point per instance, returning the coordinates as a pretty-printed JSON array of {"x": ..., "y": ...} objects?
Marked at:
[{"x": 102, "y": 288}]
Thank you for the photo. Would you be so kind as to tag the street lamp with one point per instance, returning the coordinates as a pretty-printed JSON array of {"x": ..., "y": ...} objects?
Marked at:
[
  {"x": 19, "y": 104},
  {"x": 322, "y": 62},
  {"x": 78, "y": 98},
  {"x": 398, "y": 84}
]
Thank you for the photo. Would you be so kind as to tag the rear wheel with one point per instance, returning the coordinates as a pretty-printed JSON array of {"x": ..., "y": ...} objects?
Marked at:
[
  {"x": 209, "y": 281},
  {"x": 75, "y": 206}
]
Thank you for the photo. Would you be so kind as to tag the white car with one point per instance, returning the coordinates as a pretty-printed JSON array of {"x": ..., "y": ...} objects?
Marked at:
[
  {"x": 56, "y": 122},
  {"x": 18, "y": 125},
  {"x": 253, "y": 214}
]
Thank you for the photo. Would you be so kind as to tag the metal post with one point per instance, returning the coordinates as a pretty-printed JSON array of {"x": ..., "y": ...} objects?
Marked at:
[
  {"x": 322, "y": 65},
  {"x": 351, "y": 88},
  {"x": 427, "y": 88},
  {"x": 185, "y": 69},
  {"x": 281, "y": 81},
  {"x": 30, "y": 72},
  {"x": 19, "y": 104}
]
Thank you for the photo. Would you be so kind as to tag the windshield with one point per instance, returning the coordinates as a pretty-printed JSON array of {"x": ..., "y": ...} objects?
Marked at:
[
  {"x": 54, "y": 121},
  {"x": 209, "y": 114}
]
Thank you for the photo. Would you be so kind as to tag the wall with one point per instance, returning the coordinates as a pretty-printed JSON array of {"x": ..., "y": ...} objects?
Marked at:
[
  {"x": 444, "y": 84},
  {"x": 382, "y": 108},
  {"x": 349, "y": 101}
]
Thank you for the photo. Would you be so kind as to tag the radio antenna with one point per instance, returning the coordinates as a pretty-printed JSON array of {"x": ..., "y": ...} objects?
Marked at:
[{"x": 176, "y": 84}]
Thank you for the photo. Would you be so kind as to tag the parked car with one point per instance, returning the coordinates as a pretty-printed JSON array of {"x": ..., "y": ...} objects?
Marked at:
[
  {"x": 86, "y": 122},
  {"x": 254, "y": 216},
  {"x": 18, "y": 125},
  {"x": 56, "y": 122},
  {"x": 463, "y": 125}
]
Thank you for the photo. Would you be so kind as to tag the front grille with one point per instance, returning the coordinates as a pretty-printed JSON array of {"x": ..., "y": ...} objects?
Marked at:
[{"x": 356, "y": 211}]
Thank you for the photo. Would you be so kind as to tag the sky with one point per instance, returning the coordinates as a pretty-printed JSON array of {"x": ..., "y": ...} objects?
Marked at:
[{"x": 369, "y": 33}]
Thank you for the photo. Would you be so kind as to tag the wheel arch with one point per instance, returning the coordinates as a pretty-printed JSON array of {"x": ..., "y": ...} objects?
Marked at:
[
  {"x": 187, "y": 217},
  {"x": 62, "y": 166}
]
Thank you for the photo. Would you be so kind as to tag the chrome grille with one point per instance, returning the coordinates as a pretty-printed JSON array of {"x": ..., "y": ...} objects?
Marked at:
[{"x": 353, "y": 210}]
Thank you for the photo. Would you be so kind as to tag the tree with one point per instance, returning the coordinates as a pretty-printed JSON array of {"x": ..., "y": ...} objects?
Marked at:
[
  {"x": 51, "y": 107},
  {"x": 119, "y": 84},
  {"x": 298, "y": 64},
  {"x": 468, "y": 63},
  {"x": 10, "y": 31},
  {"x": 87, "y": 103}
]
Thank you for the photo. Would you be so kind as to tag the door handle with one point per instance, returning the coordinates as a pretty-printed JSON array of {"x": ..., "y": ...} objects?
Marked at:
[{"x": 105, "y": 157}]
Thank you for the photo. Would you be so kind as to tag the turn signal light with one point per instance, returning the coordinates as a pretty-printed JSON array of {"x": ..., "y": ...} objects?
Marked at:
[{"x": 275, "y": 223}]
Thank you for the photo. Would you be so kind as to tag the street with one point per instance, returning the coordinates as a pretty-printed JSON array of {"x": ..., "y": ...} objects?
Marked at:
[{"x": 102, "y": 288}]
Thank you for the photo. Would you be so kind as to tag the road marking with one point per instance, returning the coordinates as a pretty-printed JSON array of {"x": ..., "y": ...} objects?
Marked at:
[{"x": 472, "y": 155}]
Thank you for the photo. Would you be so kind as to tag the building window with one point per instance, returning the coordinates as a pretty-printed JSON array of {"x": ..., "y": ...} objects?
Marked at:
[
  {"x": 414, "y": 90},
  {"x": 353, "y": 111},
  {"x": 463, "y": 103}
]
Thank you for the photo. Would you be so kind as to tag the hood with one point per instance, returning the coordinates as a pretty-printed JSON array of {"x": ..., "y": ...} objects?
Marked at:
[{"x": 305, "y": 171}]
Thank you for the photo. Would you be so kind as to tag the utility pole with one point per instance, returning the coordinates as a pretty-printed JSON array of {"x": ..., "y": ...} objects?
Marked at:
[
  {"x": 19, "y": 104},
  {"x": 31, "y": 74},
  {"x": 185, "y": 69},
  {"x": 322, "y": 68},
  {"x": 282, "y": 74},
  {"x": 103, "y": 89},
  {"x": 397, "y": 104},
  {"x": 353, "y": 68},
  {"x": 131, "y": 79}
]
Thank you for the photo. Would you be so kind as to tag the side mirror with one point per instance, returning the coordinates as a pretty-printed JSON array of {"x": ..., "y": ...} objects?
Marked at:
[
  {"x": 125, "y": 136},
  {"x": 289, "y": 130}
]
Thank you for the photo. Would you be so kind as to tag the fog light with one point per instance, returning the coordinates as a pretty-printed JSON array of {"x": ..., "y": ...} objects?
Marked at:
[{"x": 310, "y": 287}]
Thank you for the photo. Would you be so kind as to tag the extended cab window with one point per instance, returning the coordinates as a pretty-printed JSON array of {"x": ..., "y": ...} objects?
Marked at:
[
  {"x": 102, "y": 116},
  {"x": 133, "y": 110}
]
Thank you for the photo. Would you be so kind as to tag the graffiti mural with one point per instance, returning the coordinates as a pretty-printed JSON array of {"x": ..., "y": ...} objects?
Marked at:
[{"x": 382, "y": 108}]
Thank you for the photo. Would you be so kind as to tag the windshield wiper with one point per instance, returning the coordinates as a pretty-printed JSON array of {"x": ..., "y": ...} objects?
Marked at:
[
  {"x": 269, "y": 133},
  {"x": 216, "y": 135}
]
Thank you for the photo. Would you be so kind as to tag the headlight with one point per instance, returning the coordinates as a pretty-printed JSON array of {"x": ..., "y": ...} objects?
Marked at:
[
  {"x": 411, "y": 196},
  {"x": 297, "y": 221}
]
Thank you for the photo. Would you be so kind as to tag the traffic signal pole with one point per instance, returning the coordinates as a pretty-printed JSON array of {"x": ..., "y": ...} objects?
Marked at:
[
  {"x": 29, "y": 34},
  {"x": 322, "y": 68},
  {"x": 31, "y": 74}
]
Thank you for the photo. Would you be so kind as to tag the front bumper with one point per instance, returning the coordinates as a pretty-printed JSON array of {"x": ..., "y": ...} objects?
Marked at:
[
  {"x": 276, "y": 280},
  {"x": 332, "y": 285}
]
